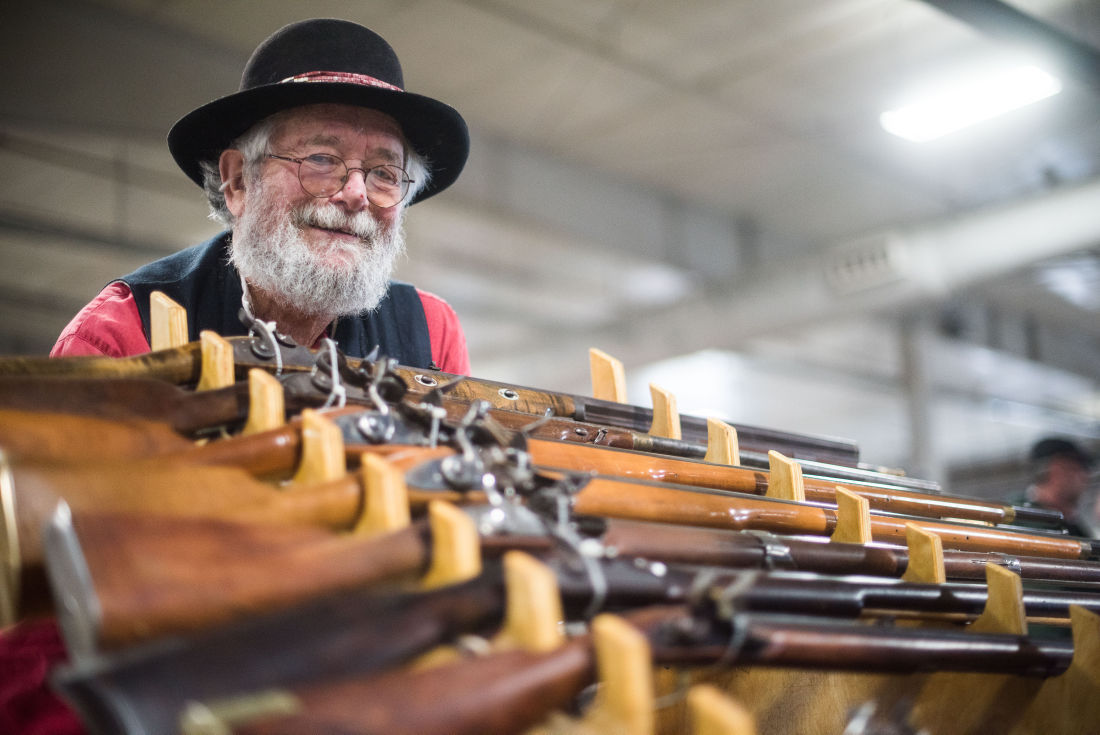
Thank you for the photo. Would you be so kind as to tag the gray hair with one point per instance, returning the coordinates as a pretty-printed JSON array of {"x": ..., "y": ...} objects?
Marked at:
[{"x": 253, "y": 146}]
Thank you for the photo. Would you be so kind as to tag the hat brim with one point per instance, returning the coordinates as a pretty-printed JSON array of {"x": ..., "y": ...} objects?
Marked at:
[{"x": 434, "y": 130}]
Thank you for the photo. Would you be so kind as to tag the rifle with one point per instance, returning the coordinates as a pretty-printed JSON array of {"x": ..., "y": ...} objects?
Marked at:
[
  {"x": 278, "y": 354},
  {"x": 509, "y": 691},
  {"x": 138, "y": 486},
  {"x": 31, "y": 493},
  {"x": 131, "y": 577},
  {"x": 190, "y": 413},
  {"x": 254, "y": 454},
  {"x": 367, "y": 630}
]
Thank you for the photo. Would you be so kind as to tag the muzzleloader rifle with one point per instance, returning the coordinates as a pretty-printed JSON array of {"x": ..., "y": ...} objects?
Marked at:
[
  {"x": 127, "y": 578},
  {"x": 509, "y": 691},
  {"x": 144, "y": 690},
  {"x": 279, "y": 354},
  {"x": 192, "y": 413},
  {"x": 278, "y": 449},
  {"x": 30, "y": 492}
]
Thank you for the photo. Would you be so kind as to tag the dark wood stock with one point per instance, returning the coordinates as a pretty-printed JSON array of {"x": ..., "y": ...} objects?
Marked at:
[
  {"x": 354, "y": 633},
  {"x": 185, "y": 411},
  {"x": 502, "y": 693},
  {"x": 153, "y": 575}
]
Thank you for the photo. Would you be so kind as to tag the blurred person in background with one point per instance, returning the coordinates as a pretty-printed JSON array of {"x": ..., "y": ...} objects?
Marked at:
[{"x": 1060, "y": 476}]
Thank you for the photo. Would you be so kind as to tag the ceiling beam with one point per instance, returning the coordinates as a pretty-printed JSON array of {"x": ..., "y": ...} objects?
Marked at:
[
  {"x": 1010, "y": 25},
  {"x": 922, "y": 264}
]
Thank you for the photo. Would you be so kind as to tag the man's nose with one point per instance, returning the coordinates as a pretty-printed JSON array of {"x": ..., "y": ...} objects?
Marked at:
[{"x": 354, "y": 193}]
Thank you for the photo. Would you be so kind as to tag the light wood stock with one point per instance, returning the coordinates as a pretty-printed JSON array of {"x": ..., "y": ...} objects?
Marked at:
[
  {"x": 642, "y": 466},
  {"x": 619, "y": 499}
]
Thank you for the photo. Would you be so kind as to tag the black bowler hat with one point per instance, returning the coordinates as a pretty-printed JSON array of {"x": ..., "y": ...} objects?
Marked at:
[
  {"x": 316, "y": 61},
  {"x": 1050, "y": 447}
]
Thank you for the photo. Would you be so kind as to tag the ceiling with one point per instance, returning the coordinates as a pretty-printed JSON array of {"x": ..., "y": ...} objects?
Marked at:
[{"x": 704, "y": 179}]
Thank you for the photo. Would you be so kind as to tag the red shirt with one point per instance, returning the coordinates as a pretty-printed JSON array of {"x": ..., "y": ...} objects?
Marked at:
[{"x": 110, "y": 325}]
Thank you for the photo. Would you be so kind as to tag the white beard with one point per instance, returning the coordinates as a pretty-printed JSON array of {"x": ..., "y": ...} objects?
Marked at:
[{"x": 333, "y": 280}]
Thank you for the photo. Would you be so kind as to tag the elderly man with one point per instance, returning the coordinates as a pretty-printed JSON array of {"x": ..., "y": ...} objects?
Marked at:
[{"x": 311, "y": 165}]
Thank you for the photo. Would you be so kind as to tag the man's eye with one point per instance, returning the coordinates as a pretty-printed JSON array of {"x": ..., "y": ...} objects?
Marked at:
[
  {"x": 321, "y": 160},
  {"x": 385, "y": 175}
]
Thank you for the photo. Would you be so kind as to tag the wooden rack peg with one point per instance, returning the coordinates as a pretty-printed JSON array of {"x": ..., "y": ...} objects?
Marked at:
[
  {"x": 722, "y": 447},
  {"x": 456, "y": 548},
  {"x": 167, "y": 322},
  {"x": 666, "y": 417},
  {"x": 853, "y": 518},
  {"x": 608, "y": 378},
  {"x": 625, "y": 701},
  {"x": 217, "y": 362},
  {"x": 1070, "y": 702},
  {"x": 266, "y": 405},
  {"x": 784, "y": 478},
  {"x": 385, "y": 497},
  {"x": 1004, "y": 606},
  {"x": 533, "y": 613},
  {"x": 925, "y": 556},
  {"x": 322, "y": 449},
  {"x": 714, "y": 713}
]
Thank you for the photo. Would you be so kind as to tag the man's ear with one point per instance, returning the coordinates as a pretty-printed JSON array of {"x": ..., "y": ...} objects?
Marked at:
[{"x": 231, "y": 168}]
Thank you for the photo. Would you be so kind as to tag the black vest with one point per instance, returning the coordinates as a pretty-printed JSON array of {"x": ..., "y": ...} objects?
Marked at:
[{"x": 202, "y": 280}]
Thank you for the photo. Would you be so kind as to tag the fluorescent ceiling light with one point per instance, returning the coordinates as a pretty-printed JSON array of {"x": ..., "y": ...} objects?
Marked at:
[{"x": 969, "y": 100}]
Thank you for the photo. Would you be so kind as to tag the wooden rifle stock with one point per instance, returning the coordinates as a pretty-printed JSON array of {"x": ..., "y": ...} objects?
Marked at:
[
  {"x": 180, "y": 365},
  {"x": 135, "y": 577},
  {"x": 185, "y": 411},
  {"x": 502, "y": 693},
  {"x": 63, "y": 437}
]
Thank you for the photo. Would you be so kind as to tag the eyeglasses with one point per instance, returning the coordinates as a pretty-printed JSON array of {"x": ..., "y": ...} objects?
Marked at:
[{"x": 323, "y": 175}]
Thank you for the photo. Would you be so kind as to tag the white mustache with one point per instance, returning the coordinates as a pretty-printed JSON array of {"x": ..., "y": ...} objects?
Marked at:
[{"x": 330, "y": 217}]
